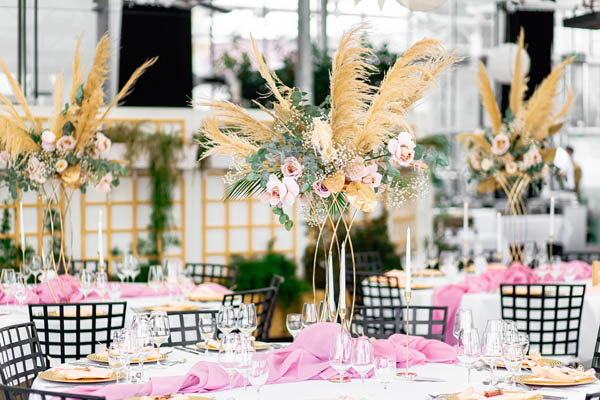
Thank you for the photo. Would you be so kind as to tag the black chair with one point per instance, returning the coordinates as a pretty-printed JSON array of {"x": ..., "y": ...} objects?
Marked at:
[
  {"x": 378, "y": 290},
  {"x": 375, "y": 321},
  {"x": 71, "y": 331},
  {"x": 78, "y": 265},
  {"x": 22, "y": 393},
  {"x": 549, "y": 314},
  {"x": 588, "y": 256},
  {"x": 426, "y": 321},
  {"x": 21, "y": 356},
  {"x": 592, "y": 396},
  {"x": 225, "y": 275},
  {"x": 265, "y": 301},
  {"x": 185, "y": 326},
  {"x": 596, "y": 358},
  {"x": 364, "y": 261}
]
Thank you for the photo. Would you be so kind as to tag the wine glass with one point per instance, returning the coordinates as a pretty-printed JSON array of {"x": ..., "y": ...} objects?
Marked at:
[
  {"x": 309, "y": 314},
  {"x": 101, "y": 283},
  {"x": 259, "y": 373},
  {"x": 556, "y": 270},
  {"x": 208, "y": 326},
  {"x": 121, "y": 270},
  {"x": 128, "y": 352},
  {"x": 462, "y": 321},
  {"x": 114, "y": 290},
  {"x": 115, "y": 360},
  {"x": 245, "y": 354},
  {"x": 35, "y": 267},
  {"x": 293, "y": 323},
  {"x": 20, "y": 292},
  {"x": 140, "y": 330},
  {"x": 228, "y": 359},
  {"x": 468, "y": 349},
  {"x": 340, "y": 353},
  {"x": 512, "y": 355},
  {"x": 385, "y": 370},
  {"x": 8, "y": 279},
  {"x": 226, "y": 319},
  {"x": 326, "y": 313},
  {"x": 172, "y": 269},
  {"x": 491, "y": 346},
  {"x": 186, "y": 284},
  {"x": 362, "y": 356},
  {"x": 86, "y": 282},
  {"x": 159, "y": 331},
  {"x": 155, "y": 278},
  {"x": 247, "y": 321},
  {"x": 510, "y": 333},
  {"x": 132, "y": 265},
  {"x": 523, "y": 339}
]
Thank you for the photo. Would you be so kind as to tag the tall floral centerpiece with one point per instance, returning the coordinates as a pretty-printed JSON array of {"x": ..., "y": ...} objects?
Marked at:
[
  {"x": 335, "y": 159},
  {"x": 67, "y": 153},
  {"x": 518, "y": 150}
]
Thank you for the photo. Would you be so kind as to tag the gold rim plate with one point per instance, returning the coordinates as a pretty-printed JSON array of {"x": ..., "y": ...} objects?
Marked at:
[
  {"x": 454, "y": 396},
  {"x": 189, "y": 396},
  {"x": 528, "y": 380},
  {"x": 50, "y": 375},
  {"x": 257, "y": 345},
  {"x": 544, "y": 362},
  {"x": 101, "y": 359}
]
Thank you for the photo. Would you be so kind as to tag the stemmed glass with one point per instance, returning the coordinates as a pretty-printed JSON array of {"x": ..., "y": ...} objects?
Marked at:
[
  {"x": 159, "y": 331},
  {"x": 362, "y": 356},
  {"x": 20, "y": 291},
  {"x": 132, "y": 266},
  {"x": 524, "y": 342},
  {"x": 491, "y": 346},
  {"x": 226, "y": 322},
  {"x": 309, "y": 314},
  {"x": 140, "y": 329},
  {"x": 259, "y": 373},
  {"x": 462, "y": 321},
  {"x": 340, "y": 353},
  {"x": 556, "y": 270},
  {"x": 468, "y": 349},
  {"x": 208, "y": 326},
  {"x": 9, "y": 279},
  {"x": 121, "y": 271},
  {"x": 325, "y": 313},
  {"x": 86, "y": 283},
  {"x": 101, "y": 283},
  {"x": 228, "y": 359},
  {"x": 293, "y": 323},
  {"x": 247, "y": 321},
  {"x": 35, "y": 267},
  {"x": 155, "y": 278},
  {"x": 115, "y": 359},
  {"x": 245, "y": 354},
  {"x": 512, "y": 355},
  {"x": 172, "y": 270},
  {"x": 129, "y": 351},
  {"x": 385, "y": 370}
]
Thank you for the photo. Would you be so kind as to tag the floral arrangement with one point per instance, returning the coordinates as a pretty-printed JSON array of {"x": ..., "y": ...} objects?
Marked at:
[
  {"x": 518, "y": 146},
  {"x": 71, "y": 148},
  {"x": 356, "y": 147}
]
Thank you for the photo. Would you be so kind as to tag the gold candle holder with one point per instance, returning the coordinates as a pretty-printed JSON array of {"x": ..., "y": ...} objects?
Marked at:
[{"x": 407, "y": 297}]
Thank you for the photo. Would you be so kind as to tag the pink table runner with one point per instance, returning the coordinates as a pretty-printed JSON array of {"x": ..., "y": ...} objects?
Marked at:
[
  {"x": 451, "y": 295},
  {"x": 306, "y": 359}
]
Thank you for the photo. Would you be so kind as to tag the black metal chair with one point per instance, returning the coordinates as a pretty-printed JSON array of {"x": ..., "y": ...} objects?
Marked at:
[
  {"x": 426, "y": 321},
  {"x": 549, "y": 314},
  {"x": 596, "y": 358},
  {"x": 225, "y": 275},
  {"x": 378, "y": 290},
  {"x": 22, "y": 393},
  {"x": 588, "y": 256},
  {"x": 71, "y": 331},
  {"x": 365, "y": 261},
  {"x": 78, "y": 265},
  {"x": 21, "y": 356},
  {"x": 264, "y": 299},
  {"x": 375, "y": 321},
  {"x": 592, "y": 396},
  {"x": 185, "y": 326}
]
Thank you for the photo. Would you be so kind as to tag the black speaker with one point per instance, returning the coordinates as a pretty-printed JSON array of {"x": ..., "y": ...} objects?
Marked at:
[
  {"x": 539, "y": 35},
  {"x": 148, "y": 31}
]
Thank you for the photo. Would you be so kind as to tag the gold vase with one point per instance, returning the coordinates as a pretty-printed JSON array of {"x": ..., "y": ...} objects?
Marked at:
[{"x": 515, "y": 187}]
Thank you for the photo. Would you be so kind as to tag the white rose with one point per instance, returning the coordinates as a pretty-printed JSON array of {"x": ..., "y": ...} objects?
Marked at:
[
  {"x": 48, "y": 140},
  {"x": 61, "y": 165}
]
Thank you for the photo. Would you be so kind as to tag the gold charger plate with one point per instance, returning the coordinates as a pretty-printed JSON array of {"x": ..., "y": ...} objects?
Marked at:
[
  {"x": 101, "y": 359},
  {"x": 257, "y": 345},
  {"x": 52, "y": 376},
  {"x": 527, "y": 380},
  {"x": 166, "y": 308},
  {"x": 454, "y": 396},
  {"x": 544, "y": 362},
  {"x": 189, "y": 397}
]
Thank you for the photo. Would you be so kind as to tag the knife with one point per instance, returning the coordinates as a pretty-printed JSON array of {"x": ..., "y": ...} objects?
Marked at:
[
  {"x": 427, "y": 379},
  {"x": 186, "y": 349}
]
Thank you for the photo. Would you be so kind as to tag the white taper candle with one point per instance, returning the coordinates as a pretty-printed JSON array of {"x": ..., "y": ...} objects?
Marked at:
[
  {"x": 330, "y": 290},
  {"x": 342, "y": 301},
  {"x": 22, "y": 225},
  {"x": 408, "y": 269}
]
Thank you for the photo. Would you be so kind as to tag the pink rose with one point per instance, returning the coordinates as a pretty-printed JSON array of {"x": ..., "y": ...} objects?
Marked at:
[
  {"x": 66, "y": 143},
  {"x": 402, "y": 149},
  {"x": 4, "y": 159},
  {"x": 372, "y": 177},
  {"x": 291, "y": 168},
  {"x": 102, "y": 143},
  {"x": 500, "y": 144},
  {"x": 48, "y": 140},
  {"x": 36, "y": 170},
  {"x": 321, "y": 190},
  {"x": 282, "y": 191},
  {"x": 356, "y": 169},
  {"x": 104, "y": 183}
]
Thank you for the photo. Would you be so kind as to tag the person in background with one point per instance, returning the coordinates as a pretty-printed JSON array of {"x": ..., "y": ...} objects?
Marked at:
[
  {"x": 566, "y": 172},
  {"x": 576, "y": 169}
]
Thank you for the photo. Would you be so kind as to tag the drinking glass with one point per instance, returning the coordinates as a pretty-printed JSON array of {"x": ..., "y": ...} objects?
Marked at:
[
  {"x": 556, "y": 270},
  {"x": 259, "y": 373},
  {"x": 35, "y": 267},
  {"x": 491, "y": 346},
  {"x": 468, "y": 349},
  {"x": 114, "y": 290},
  {"x": 309, "y": 314},
  {"x": 20, "y": 292},
  {"x": 155, "y": 278},
  {"x": 172, "y": 270},
  {"x": 121, "y": 270},
  {"x": 140, "y": 329},
  {"x": 226, "y": 319},
  {"x": 8, "y": 279},
  {"x": 208, "y": 326},
  {"x": 247, "y": 321},
  {"x": 186, "y": 285},
  {"x": 293, "y": 323},
  {"x": 325, "y": 312},
  {"x": 132, "y": 265},
  {"x": 512, "y": 355},
  {"x": 385, "y": 370},
  {"x": 86, "y": 282},
  {"x": 524, "y": 342},
  {"x": 159, "y": 331},
  {"x": 362, "y": 356},
  {"x": 228, "y": 359},
  {"x": 128, "y": 351},
  {"x": 462, "y": 321},
  {"x": 542, "y": 255},
  {"x": 245, "y": 354},
  {"x": 26, "y": 271},
  {"x": 115, "y": 360},
  {"x": 101, "y": 283},
  {"x": 510, "y": 333},
  {"x": 340, "y": 353}
]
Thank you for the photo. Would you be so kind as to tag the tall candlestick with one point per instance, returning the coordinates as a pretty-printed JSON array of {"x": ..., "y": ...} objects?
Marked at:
[
  {"x": 499, "y": 235},
  {"x": 100, "y": 245},
  {"x": 408, "y": 271},
  {"x": 342, "y": 301},
  {"x": 330, "y": 290},
  {"x": 466, "y": 229},
  {"x": 551, "y": 216}
]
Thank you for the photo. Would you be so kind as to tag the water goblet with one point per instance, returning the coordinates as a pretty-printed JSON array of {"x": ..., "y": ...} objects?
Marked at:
[
  {"x": 468, "y": 349},
  {"x": 309, "y": 314},
  {"x": 159, "y": 331},
  {"x": 115, "y": 361},
  {"x": 208, "y": 326},
  {"x": 362, "y": 360},
  {"x": 228, "y": 359},
  {"x": 245, "y": 355},
  {"x": 114, "y": 290},
  {"x": 512, "y": 355},
  {"x": 259, "y": 373},
  {"x": 20, "y": 292},
  {"x": 491, "y": 346},
  {"x": 293, "y": 323},
  {"x": 101, "y": 283},
  {"x": 462, "y": 321},
  {"x": 340, "y": 353},
  {"x": 140, "y": 330},
  {"x": 523, "y": 339},
  {"x": 385, "y": 370},
  {"x": 35, "y": 267},
  {"x": 247, "y": 320},
  {"x": 226, "y": 321},
  {"x": 155, "y": 278},
  {"x": 86, "y": 282}
]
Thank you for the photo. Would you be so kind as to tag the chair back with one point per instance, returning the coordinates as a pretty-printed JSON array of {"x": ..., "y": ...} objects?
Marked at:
[
  {"x": 71, "y": 331},
  {"x": 549, "y": 314},
  {"x": 426, "y": 321},
  {"x": 78, "y": 265},
  {"x": 592, "y": 396},
  {"x": 21, "y": 356},
  {"x": 225, "y": 275},
  {"x": 265, "y": 301},
  {"x": 375, "y": 321},
  {"x": 588, "y": 256},
  {"x": 378, "y": 290},
  {"x": 596, "y": 358},
  {"x": 23, "y": 393},
  {"x": 185, "y": 326},
  {"x": 364, "y": 261}
]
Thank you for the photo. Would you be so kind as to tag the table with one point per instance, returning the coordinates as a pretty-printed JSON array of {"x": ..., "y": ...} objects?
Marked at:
[{"x": 455, "y": 380}]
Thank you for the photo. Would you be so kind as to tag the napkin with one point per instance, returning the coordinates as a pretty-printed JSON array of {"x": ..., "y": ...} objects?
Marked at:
[
  {"x": 561, "y": 374},
  {"x": 76, "y": 373},
  {"x": 209, "y": 291},
  {"x": 154, "y": 354},
  {"x": 175, "y": 306},
  {"x": 474, "y": 394},
  {"x": 428, "y": 272}
]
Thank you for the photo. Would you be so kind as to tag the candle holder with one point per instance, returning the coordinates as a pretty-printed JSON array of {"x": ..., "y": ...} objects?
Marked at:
[{"x": 409, "y": 376}]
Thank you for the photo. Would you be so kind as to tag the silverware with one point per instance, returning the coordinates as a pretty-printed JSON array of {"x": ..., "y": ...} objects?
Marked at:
[
  {"x": 194, "y": 350},
  {"x": 171, "y": 363},
  {"x": 188, "y": 350},
  {"x": 427, "y": 379}
]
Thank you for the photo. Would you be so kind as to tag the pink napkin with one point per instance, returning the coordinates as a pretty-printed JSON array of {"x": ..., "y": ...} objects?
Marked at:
[{"x": 306, "y": 359}]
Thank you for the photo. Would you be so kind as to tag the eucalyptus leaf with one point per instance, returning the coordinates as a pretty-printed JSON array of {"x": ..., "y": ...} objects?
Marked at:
[{"x": 79, "y": 95}]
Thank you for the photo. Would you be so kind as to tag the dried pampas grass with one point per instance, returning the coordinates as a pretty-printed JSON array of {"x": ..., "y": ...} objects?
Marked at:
[
  {"x": 487, "y": 98},
  {"x": 224, "y": 143},
  {"x": 518, "y": 85}
]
